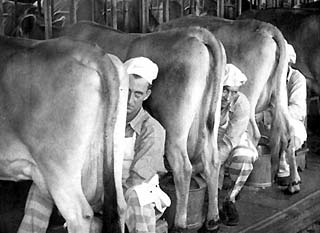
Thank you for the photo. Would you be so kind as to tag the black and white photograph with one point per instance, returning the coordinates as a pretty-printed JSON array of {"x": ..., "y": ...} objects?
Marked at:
[{"x": 159, "y": 116}]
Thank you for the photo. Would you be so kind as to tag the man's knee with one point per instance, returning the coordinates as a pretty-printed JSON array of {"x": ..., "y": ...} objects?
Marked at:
[{"x": 243, "y": 159}]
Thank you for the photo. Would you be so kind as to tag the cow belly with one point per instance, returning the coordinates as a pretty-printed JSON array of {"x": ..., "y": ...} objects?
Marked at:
[{"x": 16, "y": 162}]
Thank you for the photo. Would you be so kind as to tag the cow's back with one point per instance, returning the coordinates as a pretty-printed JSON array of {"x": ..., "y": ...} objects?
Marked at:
[
  {"x": 251, "y": 48},
  {"x": 301, "y": 27},
  {"x": 113, "y": 41}
]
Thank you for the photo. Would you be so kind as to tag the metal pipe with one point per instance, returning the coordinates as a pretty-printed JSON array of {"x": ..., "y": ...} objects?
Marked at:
[
  {"x": 73, "y": 12},
  {"x": 126, "y": 15},
  {"x": 92, "y": 10},
  {"x": 47, "y": 19},
  {"x": 1, "y": 19},
  {"x": 114, "y": 14},
  {"x": 165, "y": 10}
]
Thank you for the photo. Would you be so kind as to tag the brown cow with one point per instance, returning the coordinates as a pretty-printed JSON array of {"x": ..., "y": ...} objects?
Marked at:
[
  {"x": 301, "y": 28},
  {"x": 258, "y": 49},
  {"x": 59, "y": 101},
  {"x": 185, "y": 99}
]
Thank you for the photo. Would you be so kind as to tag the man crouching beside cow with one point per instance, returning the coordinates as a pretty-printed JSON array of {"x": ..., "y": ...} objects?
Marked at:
[
  {"x": 144, "y": 151},
  {"x": 297, "y": 95},
  {"x": 236, "y": 151}
]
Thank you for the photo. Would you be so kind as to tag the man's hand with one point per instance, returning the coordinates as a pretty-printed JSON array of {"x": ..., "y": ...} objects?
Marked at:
[{"x": 223, "y": 152}]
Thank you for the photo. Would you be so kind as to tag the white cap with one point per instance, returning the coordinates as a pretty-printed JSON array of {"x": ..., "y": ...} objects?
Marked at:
[
  {"x": 143, "y": 67},
  {"x": 234, "y": 76},
  {"x": 291, "y": 54}
]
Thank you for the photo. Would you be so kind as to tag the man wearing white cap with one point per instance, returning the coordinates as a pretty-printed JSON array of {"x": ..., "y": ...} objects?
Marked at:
[
  {"x": 297, "y": 104},
  {"x": 144, "y": 151},
  {"x": 297, "y": 94},
  {"x": 236, "y": 151}
]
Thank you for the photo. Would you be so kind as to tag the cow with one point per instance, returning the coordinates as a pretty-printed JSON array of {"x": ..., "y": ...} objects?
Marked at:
[
  {"x": 266, "y": 77},
  {"x": 259, "y": 50},
  {"x": 60, "y": 102},
  {"x": 301, "y": 28},
  {"x": 185, "y": 99}
]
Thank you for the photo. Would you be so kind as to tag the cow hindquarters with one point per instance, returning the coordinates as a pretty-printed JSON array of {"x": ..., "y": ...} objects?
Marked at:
[{"x": 72, "y": 204}]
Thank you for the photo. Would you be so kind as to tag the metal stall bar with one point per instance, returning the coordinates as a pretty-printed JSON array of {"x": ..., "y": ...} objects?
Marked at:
[
  {"x": 182, "y": 8},
  {"x": 73, "y": 12},
  {"x": 220, "y": 8},
  {"x": 142, "y": 16},
  {"x": 47, "y": 18},
  {"x": 105, "y": 10},
  {"x": 1, "y": 19},
  {"x": 159, "y": 9},
  {"x": 165, "y": 11},
  {"x": 92, "y": 10},
  {"x": 239, "y": 8},
  {"x": 114, "y": 14},
  {"x": 192, "y": 7},
  {"x": 125, "y": 15}
]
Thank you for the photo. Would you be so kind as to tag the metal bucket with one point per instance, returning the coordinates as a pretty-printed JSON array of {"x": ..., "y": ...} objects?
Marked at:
[
  {"x": 195, "y": 209},
  {"x": 260, "y": 176}
]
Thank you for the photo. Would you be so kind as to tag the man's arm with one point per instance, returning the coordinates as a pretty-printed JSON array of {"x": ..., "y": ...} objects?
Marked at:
[
  {"x": 297, "y": 95},
  {"x": 238, "y": 123},
  {"x": 149, "y": 151}
]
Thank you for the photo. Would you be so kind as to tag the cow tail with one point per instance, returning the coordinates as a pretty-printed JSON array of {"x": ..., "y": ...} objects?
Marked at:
[
  {"x": 280, "y": 128},
  {"x": 212, "y": 106},
  {"x": 110, "y": 95}
]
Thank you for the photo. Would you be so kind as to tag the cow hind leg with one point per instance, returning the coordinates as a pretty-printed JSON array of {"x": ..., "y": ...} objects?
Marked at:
[
  {"x": 212, "y": 177},
  {"x": 73, "y": 206},
  {"x": 181, "y": 169},
  {"x": 295, "y": 179}
]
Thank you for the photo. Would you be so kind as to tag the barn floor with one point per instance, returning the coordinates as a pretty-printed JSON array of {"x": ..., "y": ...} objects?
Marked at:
[
  {"x": 269, "y": 210},
  {"x": 261, "y": 210}
]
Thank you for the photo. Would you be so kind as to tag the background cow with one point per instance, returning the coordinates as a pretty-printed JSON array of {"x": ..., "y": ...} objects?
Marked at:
[
  {"x": 59, "y": 100},
  {"x": 185, "y": 98},
  {"x": 258, "y": 49},
  {"x": 301, "y": 28}
]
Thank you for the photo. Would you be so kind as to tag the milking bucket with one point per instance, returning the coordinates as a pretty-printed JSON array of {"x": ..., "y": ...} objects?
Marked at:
[
  {"x": 195, "y": 209},
  {"x": 260, "y": 176}
]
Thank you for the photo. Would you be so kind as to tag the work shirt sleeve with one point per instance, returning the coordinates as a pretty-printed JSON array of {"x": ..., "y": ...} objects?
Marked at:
[
  {"x": 297, "y": 95},
  {"x": 238, "y": 123},
  {"x": 149, "y": 152}
]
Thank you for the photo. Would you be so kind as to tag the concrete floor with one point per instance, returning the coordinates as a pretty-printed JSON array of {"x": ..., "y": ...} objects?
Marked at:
[{"x": 269, "y": 210}]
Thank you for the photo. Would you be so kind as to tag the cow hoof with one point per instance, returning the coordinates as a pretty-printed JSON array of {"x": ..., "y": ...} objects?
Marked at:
[
  {"x": 293, "y": 188},
  {"x": 283, "y": 181},
  {"x": 211, "y": 226},
  {"x": 177, "y": 230}
]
